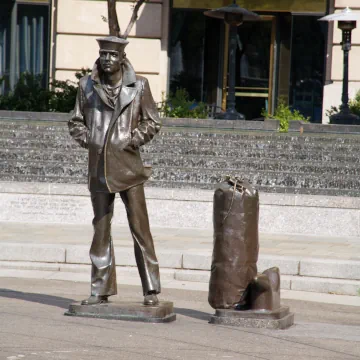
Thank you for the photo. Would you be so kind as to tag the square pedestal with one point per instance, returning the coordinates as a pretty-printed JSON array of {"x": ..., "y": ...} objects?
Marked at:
[
  {"x": 129, "y": 311},
  {"x": 278, "y": 319}
]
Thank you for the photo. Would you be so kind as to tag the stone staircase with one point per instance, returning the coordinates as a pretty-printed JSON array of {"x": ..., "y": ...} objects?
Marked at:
[{"x": 326, "y": 164}]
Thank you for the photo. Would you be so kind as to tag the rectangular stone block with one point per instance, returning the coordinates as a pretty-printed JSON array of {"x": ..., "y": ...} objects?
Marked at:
[
  {"x": 340, "y": 202},
  {"x": 169, "y": 258},
  {"x": 33, "y": 208},
  {"x": 193, "y": 275},
  {"x": 204, "y": 277},
  {"x": 24, "y": 188},
  {"x": 288, "y": 265},
  {"x": 28, "y": 265},
  {"x": 83, "y": 50},
  {"x": 344, "y": 3},
  {"x": 197, "y": 261},
  {"x": 309, "y": 220},
  {"x": 77, "y": 18},
  {"x": 180, "y": 214},
  {"x": 330, "y": 268},
  {"x": 125, "y": 256},
  {"x": 337, "y": 68},
  {"x": 77, "y": 254},
  {"x": 285, "y": 282},
  {"x": 75, "y": 268},
  {"x": 125, "y": 271},
  {"x": 32, "y": 252},
  {"x": 328, "y": 286}
]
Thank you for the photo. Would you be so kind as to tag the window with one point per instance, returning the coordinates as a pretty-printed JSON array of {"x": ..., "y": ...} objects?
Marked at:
[
  {"x": 195, "y": 54},
  {"x": 24, "y": 41}
]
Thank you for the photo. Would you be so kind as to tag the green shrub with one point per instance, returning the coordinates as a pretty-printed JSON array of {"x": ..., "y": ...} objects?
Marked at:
[
  {"x": 178, "y": 105},
  {"x": 284, "y": 114},
  {"x": 354, "y": 106},
  {"x": 30, "y": 95}
]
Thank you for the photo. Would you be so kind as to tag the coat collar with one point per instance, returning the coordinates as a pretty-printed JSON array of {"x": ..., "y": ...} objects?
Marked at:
[
  {"x": 128, "y": 78},
  {"x": 127, "y": 93}
]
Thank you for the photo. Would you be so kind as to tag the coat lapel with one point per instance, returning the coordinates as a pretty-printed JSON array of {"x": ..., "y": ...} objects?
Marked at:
[{"x": 126, "y": 96}]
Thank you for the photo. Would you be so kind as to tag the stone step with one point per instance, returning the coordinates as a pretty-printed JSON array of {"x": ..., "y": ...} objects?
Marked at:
[
  {"x": 43, "y": 178},
  {"x": 170, "y": 134},
  {"x": 260, "y": 178},
  {"x": 80, "y": 155},
  {"x": 190, "y": 175},
  {"x": 36, "y": 139},
  {"x": 278, "y": 189},
  {"x": 187, "y": 149},
  {"x": 10, "y": 129},
  {"x": 281, "y": 189},
  {"x": 332, "y": 276},
  {"x": 73, "y": 164}
]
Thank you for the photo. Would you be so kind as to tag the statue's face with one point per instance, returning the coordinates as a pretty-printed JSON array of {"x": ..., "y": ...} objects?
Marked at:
[{"x": 110, "y": 60}]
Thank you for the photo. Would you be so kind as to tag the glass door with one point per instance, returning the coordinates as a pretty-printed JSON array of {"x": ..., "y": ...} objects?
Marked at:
[{"x": 255, "y": 67}]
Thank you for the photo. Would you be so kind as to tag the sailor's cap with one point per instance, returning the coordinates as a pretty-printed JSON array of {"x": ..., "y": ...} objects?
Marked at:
[{"x": 112, "y": 43}]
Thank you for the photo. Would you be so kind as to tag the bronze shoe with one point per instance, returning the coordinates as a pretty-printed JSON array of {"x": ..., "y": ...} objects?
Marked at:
[
  {"x": 95, "y": 300},
  {"x": 151, "y": 300}
]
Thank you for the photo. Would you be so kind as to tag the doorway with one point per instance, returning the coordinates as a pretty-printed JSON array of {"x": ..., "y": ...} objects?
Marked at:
[{"x": 255, "y": 67}]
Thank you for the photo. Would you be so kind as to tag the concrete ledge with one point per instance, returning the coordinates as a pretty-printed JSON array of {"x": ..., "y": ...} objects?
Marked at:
[
  {"x": 197, "y": 261},
  {"x": 192, "y": 275},
  {"x": 288, "y": 265},
  {"x": 329, "y": 286},
  {"x": 28, "y": 265},
  {"x": 329, "y": 268},
  {"x": 204, "y": 277},
  {"x": 31, "y": 252},
  {"x": 182, "y": 208},
  {"x": 330, "y": 128},
  {"x": 172, "y": 278},
  {"x": 35, "y": 116},
  {"x": 124, "y": 256},
  {"x": 189, "y": 195}
]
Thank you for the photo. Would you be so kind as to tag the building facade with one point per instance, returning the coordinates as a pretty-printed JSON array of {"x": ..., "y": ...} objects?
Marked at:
[{"x": 288, "y": 55}]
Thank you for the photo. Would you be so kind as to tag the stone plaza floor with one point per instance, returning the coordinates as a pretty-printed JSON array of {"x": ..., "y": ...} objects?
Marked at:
[{"x": 34, "y": 328}]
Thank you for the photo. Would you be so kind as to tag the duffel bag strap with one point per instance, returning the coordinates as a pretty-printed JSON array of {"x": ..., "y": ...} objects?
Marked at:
[{"x": 239, "y": 185}]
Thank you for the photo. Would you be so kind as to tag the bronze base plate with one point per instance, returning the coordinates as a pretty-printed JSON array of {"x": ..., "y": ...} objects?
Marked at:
[
  {"x": 128, "y": 311},
  {"x": 277, "y": 319}
]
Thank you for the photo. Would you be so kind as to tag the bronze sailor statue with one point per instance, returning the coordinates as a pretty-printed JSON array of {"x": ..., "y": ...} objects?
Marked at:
[{"x": 114, "y": 116}]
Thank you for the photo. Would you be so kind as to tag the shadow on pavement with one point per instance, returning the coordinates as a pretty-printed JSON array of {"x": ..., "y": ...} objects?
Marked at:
[
  {"x": 193, "y": 313},
  {"x": 37, "y": 298}
]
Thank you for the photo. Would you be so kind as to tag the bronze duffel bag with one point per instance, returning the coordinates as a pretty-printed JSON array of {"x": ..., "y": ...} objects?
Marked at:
[{"x": 236, "y": 242}]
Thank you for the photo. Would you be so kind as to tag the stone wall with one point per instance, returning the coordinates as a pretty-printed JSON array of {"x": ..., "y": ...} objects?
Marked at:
[
  {"x": 181, "y": 208},
  {"x": 76, "y": 25}
]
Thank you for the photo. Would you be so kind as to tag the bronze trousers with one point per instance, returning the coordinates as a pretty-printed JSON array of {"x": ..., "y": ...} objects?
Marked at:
[{"x": 103, "y": 273}]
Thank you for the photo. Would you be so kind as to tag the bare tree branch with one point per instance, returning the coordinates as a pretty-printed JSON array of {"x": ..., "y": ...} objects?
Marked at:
[
  {"x": 114, "y": 27},
  {"x": 133, "y": 18}
]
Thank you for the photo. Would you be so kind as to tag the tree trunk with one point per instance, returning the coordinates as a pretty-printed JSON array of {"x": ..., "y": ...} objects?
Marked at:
[{"x": 114, "y": 28}]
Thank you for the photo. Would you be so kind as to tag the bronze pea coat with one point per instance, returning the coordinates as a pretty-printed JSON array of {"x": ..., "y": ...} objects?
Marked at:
[{"x": 113, "y": 133}]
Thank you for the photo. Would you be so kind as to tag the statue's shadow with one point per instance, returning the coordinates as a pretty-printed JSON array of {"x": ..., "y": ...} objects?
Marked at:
[
  {"x": 196, "y": 314},
  {"x": 44, "y": 299},
  {"x": 63, "y": 303}
]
